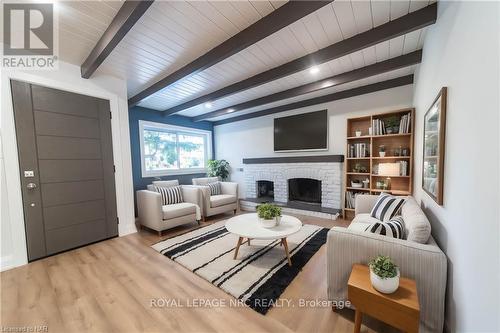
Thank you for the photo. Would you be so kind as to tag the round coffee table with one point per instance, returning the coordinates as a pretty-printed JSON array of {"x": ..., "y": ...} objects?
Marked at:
[{"x": 248, "y": 226}]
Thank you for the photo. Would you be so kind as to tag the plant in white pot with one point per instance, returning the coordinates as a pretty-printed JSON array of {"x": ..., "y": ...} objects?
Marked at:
[
  {"x": 384, "y": 274},
  {"x": 269, "y": 215},
  {"x": 381, "y": 151}
]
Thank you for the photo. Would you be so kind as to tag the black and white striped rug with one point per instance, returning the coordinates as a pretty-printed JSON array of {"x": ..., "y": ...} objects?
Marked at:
[{"x": 260, "y": 273}]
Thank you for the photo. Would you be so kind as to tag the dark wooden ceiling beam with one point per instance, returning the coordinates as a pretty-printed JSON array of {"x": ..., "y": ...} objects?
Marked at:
[
  {"x": 403, "y": 25},
  {"x": 283, "y": 16},
  {"x": 354, "y": 75},
  {"x": 393, "y": 83},
  {"x": 127, "y": 16}
]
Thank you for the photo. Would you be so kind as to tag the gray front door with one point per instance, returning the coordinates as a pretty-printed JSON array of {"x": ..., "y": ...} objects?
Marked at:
[{"x": 67, "y": 172}]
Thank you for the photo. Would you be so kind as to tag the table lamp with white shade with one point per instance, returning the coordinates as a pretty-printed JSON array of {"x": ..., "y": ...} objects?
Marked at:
[{"x": 389, "y": 170}]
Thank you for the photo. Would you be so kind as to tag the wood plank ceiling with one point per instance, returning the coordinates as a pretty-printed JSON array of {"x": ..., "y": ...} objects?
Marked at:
[{"x": 173, "y": 33}]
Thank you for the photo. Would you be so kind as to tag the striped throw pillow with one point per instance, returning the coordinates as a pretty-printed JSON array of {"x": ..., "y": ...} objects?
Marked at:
[
  {"x": 170, "y": 195},
  {"x": 214, "y": 188},
  {"x": 395, "y": 228},
  {"x": 386, "y": 207}
]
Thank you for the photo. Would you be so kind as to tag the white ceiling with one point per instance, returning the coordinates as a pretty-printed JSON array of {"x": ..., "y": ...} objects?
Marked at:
[{"x": 173, "y": 33}]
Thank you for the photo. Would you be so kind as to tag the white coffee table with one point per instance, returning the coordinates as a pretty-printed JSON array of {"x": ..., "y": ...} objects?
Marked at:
[{"x": 248, "y": 226}]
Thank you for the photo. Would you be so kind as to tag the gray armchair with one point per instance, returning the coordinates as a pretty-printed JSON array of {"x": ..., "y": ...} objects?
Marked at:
[
  {"x": 154, "y": 215},
  {"x": 217, "y": 204}
]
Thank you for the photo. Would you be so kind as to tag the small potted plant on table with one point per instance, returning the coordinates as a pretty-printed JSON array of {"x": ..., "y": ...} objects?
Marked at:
[
  {"x": 269, "y": 215},
  {"x": 384, "y": 274}
]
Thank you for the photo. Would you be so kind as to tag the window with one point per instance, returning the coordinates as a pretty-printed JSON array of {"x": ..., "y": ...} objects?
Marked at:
[{"x": 171, "y": 150}]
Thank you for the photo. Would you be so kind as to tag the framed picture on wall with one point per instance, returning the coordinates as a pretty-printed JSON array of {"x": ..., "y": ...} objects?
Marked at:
[{"x": 433, "y": 157}]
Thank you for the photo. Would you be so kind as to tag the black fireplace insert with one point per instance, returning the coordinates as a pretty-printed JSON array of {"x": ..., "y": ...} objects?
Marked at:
[
  {"x": 304, "y": 190},
  {"x": 265, "y": 189}
]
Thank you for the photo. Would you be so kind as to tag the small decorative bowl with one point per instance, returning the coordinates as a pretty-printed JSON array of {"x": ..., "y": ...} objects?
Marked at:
[{"x": 356, "y": 185}]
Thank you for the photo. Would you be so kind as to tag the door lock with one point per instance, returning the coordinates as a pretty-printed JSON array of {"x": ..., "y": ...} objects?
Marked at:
[{"x": 31, "y": 186}]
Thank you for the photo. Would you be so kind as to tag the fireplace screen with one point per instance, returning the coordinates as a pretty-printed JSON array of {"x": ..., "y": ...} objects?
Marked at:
[{"x": 305, "y": 190}]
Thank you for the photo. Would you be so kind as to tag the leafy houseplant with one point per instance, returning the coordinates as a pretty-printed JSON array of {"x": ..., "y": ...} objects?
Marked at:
[
  {"x": 392, "y": 124},
  {"x": 218, "y": 168},
  {"x": 269, "y": 215},
  {"x": 384, "y": 274}
]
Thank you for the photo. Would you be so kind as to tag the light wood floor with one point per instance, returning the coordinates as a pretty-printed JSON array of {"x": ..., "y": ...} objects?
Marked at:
[{"x": 108, "y": 287}]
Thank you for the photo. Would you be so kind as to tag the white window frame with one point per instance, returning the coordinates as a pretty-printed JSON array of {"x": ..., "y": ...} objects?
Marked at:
[{"x": 178, "y": 130}]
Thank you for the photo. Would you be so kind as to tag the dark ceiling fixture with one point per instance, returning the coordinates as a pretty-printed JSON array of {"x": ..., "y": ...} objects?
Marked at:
[
  {"x": 278, "y": 19},
  {"x": 401, "y": 26},
  {"x": 129, "y": 13},
  {"x": 354, "y": 75}
]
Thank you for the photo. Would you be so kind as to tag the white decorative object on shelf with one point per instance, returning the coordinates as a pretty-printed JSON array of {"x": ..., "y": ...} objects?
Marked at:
[
  {"x": 389, "y": 169},
  {"x": 356, "y": 185}
]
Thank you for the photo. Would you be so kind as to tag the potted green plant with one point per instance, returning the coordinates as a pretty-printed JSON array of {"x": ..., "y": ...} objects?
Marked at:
[
  {"x": 381, "y": 151},
  {"x": 269, "y": 215},
  {"x": 384, "y": 274},
  {"x": 218, "y": 168},
  {"x": 392, "y": 124}
]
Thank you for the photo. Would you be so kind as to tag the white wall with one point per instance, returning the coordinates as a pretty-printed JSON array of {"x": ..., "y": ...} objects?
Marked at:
[
  {"x": 461, "y": 51},
  {"x": 254, "y": 137},
  {"x": 67, "y": 77}
]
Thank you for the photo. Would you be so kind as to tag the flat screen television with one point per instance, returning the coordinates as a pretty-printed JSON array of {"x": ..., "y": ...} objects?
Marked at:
[{"x": 307, "y": 131}]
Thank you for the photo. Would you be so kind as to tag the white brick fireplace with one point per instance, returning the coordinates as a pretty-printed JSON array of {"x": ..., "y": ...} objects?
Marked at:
[{"x": 328, "y": 172}]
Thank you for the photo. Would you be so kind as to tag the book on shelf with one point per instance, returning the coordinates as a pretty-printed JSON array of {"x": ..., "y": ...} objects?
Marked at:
[
  {"x": 350, "y": 199},
  {"x": 378, "y": 127},
  {"x": 405, "y": 124},
  {"x": 403, "y": 168},
  {"x": 359, "y": 150}
]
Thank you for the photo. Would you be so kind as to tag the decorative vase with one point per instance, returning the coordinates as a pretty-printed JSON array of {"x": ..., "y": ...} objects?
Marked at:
[
  {"x": 385, "y": 286},
  {"x": 358, "y": 133},
  {"x": 381, "y": 153},
  {"x": 278, "y": 220},
  {"x": 268, "y": 223}
]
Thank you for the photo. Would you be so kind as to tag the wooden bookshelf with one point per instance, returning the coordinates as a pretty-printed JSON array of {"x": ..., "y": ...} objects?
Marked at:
[{"x": 393, "y": 142}]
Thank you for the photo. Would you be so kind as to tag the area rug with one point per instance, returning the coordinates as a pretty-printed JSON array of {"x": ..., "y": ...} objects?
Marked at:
[{"x": 261, "y": 272}]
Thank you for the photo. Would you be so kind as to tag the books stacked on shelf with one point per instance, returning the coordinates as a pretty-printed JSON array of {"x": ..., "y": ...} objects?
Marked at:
[
  {"x": 350, "y": 199},
  {"x": 359, "y": 150},
  {"x": 378, "y": 127},
  {"x": 403, "y": 168},
  {"x": 404, "y": 124}
]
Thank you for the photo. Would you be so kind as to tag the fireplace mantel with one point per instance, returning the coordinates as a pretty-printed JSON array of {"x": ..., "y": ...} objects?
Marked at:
[{"x": 295, "y": 159}]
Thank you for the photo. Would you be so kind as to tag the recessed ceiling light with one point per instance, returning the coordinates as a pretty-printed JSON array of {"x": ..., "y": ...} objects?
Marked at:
[
  {"x": 230, "y": 110},
  {"x": 208, "y": 105},
  {"x": 314, "y": 70}
]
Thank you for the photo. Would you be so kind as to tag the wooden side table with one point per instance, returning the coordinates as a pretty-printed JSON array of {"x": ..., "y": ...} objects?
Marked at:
[{"x": 399, "y": 309}]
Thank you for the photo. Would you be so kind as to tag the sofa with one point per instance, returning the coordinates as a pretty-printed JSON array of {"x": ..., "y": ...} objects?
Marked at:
[
  {"x": 154, "y": 215},
  {"x": 217, "y": 204},
  {"x": 418, "y": 257}
]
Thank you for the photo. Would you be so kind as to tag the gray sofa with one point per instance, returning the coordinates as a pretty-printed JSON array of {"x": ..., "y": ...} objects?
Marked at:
[
  {"x": 418, "y": 257},
  {"x": 217, "y": 204},
  {"x": 154, "y": 215}
]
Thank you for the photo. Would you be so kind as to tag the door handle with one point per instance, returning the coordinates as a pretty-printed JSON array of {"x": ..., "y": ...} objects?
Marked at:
[{"x": 31, "y": 186}]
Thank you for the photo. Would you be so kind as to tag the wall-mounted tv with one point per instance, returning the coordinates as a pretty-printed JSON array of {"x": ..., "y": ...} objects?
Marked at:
[{"x": 307, "y": 131}]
